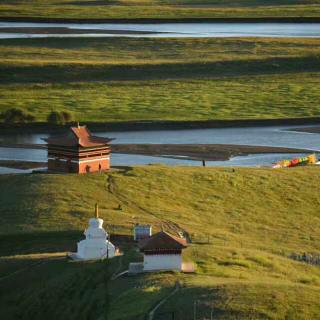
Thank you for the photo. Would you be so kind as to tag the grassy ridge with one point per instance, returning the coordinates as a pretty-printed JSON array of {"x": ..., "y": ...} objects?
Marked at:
[
  {"x": 128, "y": 9},
  {"x": 256, "y": 218},
  {"x": 161, "y": 79}
]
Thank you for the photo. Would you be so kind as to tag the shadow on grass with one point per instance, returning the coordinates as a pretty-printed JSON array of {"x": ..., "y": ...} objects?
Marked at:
[
  {"x": 39, "y": 242},
  {"x": 82, "y": 73},
  {"x": 241, "y": 301}
]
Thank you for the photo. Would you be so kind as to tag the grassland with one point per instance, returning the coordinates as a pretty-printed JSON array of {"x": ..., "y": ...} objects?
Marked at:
[
  {"x": 161, "y": 79},
  {"x": 255, "y": 218},
  {"x": 169, "y": 9},
  {"x": 57, "y": 289}
]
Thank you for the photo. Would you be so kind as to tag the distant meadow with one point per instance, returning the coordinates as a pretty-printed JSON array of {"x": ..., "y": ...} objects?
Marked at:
[{"x": 161, "y": 79}]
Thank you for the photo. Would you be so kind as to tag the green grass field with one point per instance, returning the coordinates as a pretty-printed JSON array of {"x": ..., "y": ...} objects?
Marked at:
[
  {"x": 172, "y": 9},
  {"x": 57, "y": 289},
  {"x": 129, "y": 79},
  {"x": 255, "y": 217}
]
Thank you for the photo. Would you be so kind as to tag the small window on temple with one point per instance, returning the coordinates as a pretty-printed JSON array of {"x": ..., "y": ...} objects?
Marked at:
[{"x": 57, "y": 162}]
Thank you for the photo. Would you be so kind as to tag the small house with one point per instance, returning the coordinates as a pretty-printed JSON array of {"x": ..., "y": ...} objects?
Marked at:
[
  {"x": 141, "y": 232},
  {"x": 162, "y": 251}
]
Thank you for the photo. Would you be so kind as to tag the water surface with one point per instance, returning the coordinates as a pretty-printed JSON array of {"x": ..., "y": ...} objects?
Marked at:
[
  {"x": 198, "y": 30},
  {"x": 259, "y": 136}
]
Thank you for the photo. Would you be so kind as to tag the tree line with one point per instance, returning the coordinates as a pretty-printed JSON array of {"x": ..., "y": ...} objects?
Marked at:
[{"x": 19, "y": 116}]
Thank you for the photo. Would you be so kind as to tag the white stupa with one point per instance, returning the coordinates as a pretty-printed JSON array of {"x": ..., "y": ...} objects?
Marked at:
[{"x": 97, "y": 244}]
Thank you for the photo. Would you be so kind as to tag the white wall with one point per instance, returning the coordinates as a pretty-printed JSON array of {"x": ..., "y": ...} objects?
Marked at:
[
  {"x": 165, "y": 261},
  {"x": 88, "y": 251}
]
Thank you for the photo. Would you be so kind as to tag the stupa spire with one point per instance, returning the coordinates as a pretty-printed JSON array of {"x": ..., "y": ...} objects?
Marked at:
[{"x": 96, "y": 215}]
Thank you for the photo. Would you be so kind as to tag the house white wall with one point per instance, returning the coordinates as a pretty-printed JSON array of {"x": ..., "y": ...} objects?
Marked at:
[{"x": 163, "y": 261}]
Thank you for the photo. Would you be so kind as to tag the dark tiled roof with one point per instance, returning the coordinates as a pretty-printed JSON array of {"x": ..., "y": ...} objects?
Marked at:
[
  {"x": 163, "y": 240},
  {"x": 78, "y": 136}
]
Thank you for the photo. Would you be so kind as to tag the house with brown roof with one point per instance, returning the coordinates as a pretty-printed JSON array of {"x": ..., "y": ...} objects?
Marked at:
[
  {"x": 78, "y": 151},
  {"x": 162, "y": 251}
]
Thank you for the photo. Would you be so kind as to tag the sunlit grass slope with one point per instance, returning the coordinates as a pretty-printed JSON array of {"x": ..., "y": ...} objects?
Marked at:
[
  {"x": 161, "y": 79},
  {"x": 255, "y": 217},
  {"x": 257, "y": 208},
  {"x": 173, "y": 9},
  {"x": 58, "y": 202}
]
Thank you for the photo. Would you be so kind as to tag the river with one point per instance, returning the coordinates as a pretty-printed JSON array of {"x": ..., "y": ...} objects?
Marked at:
[
  {"x": 277, "y": 136},
  {"x": 211, "y": 30}
]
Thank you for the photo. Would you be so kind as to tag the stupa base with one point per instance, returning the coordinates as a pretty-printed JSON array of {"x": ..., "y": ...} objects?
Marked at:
[{"x": 76, "y": 256}]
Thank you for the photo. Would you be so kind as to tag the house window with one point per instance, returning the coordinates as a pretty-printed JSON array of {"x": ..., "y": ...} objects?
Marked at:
[{"x": 57, "y": 162}]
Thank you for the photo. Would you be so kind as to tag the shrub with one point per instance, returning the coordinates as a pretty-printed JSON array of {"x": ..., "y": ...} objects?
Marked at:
[
  {"x": 56, "y": 117},
  {"x": 67, "y": 116},
  {"x": 16, "y": 115}
]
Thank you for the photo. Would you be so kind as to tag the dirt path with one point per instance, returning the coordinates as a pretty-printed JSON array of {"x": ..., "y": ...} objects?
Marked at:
[
  {"x": 166, "y": 224},
  {"x": 112, "y": 189},
  {"x": 114, "y": 275}
]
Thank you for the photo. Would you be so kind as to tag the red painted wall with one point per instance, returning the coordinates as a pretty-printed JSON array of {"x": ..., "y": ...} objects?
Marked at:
[
  {"x": 93, "y": 166},
  {"x": 86, "y": 167}
]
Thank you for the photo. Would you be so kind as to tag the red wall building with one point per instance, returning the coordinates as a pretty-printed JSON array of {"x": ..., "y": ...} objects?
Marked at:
[{"x": 78, "y": 151}]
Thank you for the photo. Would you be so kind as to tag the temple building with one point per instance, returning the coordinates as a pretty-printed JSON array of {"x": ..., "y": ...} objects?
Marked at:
[
  {"x": 162, "y": 251},
  {"x": 96, "y": 245},
  {"x": 78, "y": 151}
]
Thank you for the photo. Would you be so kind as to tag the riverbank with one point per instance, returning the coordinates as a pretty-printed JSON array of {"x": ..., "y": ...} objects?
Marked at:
[
  {"x": 196, "y": 152},
  {"x": 39, "y": 127},
  {"x": 63, "y": 30},
  {"x": 22, "y": 165},
  {"x": 307, "y": 130},
  {"x": 164, "y": 20}
]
